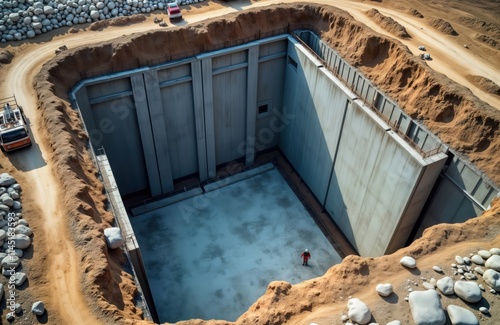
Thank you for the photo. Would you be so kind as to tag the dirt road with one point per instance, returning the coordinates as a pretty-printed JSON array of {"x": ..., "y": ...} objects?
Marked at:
[{"x": 64, "y": 281}]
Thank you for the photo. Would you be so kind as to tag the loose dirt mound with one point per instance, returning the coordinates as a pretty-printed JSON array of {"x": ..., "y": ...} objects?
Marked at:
[
  {"x": 449, "y": 110},
  {"x": 488, "y": 41},
  {"x": 388, "y": 23},
  {"x": 484, "y": 84},
  {"x": 119, "y": 21},
  {"x": 443, "y": 26},
  {"x": 415, "y": 12},
  {"x": 481, "y": 25}
]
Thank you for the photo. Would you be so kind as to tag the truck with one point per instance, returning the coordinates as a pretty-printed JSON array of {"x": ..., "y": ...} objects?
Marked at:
[
  {"x": 173, "y": 11},
  {"x": 14, "y": 132}
]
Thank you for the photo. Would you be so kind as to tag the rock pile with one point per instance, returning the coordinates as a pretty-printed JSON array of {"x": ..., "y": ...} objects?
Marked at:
[
  {"x": 15, "y": 236},
  {"x": 464, "y": 279},
  {"x": 22, "y": 19}
]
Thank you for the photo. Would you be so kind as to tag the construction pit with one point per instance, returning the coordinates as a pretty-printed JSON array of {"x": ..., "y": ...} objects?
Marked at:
[{"x": 416, "y": 164}]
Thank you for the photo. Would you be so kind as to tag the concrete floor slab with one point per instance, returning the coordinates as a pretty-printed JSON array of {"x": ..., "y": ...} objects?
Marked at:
[{"x": 211, "y": 256}]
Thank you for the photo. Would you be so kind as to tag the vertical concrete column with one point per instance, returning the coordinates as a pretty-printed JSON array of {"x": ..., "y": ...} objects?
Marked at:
[
  {"x": 144, "y": 121},
  {"x": 159, "y": 131},
  {"x": 199, "y": 119},
  {"x": 252, "y": 79},
  {"x": 208, "y": 103}
]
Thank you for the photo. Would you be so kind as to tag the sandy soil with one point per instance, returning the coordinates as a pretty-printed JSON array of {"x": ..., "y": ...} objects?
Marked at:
[{"x": 63, "y": 199}]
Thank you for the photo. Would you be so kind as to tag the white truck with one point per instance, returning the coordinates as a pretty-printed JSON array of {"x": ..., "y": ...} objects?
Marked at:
[{"x": 14, "y": 133}]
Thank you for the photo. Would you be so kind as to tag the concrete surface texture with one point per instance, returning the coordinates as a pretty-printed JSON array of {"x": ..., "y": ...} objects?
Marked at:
[{"x": 213, "y": 255}]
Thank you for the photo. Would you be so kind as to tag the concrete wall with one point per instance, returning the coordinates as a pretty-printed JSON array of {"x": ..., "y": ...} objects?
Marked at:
[
  {"x": 371, "y": 181},
  {"x": 186, "y": 117}
]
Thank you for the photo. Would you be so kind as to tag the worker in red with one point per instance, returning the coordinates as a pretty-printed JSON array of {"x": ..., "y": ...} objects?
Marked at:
[{"x": 305, "y": 257}]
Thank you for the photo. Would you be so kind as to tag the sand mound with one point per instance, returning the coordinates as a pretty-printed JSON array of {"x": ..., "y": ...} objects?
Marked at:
[
  {"x": 484, "y": 84},
  {"x": 388, "y": 23},
  {"x": 443, "y": 26},
  {"x": 415, "y": 12},
  {"x": 449, "y": 110}
]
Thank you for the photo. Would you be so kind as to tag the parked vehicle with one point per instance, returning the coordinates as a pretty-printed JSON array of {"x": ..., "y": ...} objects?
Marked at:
[
  {"x": 14, "y": 133},
  {"x": 173, "y": 11}
]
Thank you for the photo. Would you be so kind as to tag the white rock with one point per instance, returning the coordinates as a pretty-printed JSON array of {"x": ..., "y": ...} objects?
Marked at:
[
  {"x": 437, "y": 269},
  {"x": 461, "y": 316},
  {"x": 21, "y": 241},
  {"x": 484, "y": 254},
  {"x": 38, "y": 308},
  {"x": 394, "y": 322},
  {"x": 384, "y": 289},
  {"x": 466, "y": 260},
  {"x": 459, "y": 260},
  {"x": 47, "y": 10},
  {"x": 492, "y": 278},
  {"x": 470, "y": 276},
  {"x": 3, "y": 233},
  {"x": 22, "y": 229},
  {"x": 10, "y": 261},
  {"x": 6, "y": 179},
  {"x": 468, "y": 291},
  {"x": 477, "y": 259},
  {"x": 114, "y": 237},
  {"x": 358, "y": 311},
  {"x": 493, "y": 263},
  {"x": 493, "y": 251},
  {"x": 36, "y": 25},
  {"x": 484, "y": 310},
  {"x": 17, "y": 205},
  {"x": 478, "y": 270},
  {"x": 94, "y": 14},
  {"x": 19, "y": 278},
  {"x": 426, "y": 308},
  {"x": 409, "y": 262},
  {"x": 14, "y": 16},
  {"x": 428, "y": 286},
  {"x": 7, "y": 200},
  {"x": 445, "y": 285}
]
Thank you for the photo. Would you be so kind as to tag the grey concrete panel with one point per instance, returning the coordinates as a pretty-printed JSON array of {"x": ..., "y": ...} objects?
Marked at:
[
  {"x": 199, "y": 121},
  {"x": 146, "y": 134},
  {"x": 229, "y": 96},
  {"x": 121, "y": 139},
  {"x": 208, "y": 103},
  {"x": 180, "y": 127},
  {"x": 174, "y": 72},
  {"x": 270, "y": 49},
  {"x": 230, "y": 59},
  {"x": 159, "y": 132},
  {"x": 111, "y": 86}
]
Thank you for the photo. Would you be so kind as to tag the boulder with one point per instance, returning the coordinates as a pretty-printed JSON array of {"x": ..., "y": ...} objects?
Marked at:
[
  {"x": 114, "y": 237},
  {"x": 384, "y": 289},
  {"x": 468, "y": 291},
  {"x": 426, "y": 308},
  {"x": 22, "y": 229},
  {"x": 484, "y": 254},
  {"x": 6, "y": 180},
  {"x": 409, "y": 262},
  {"x": 493, "y": 263},
  {"x": 459, "y": 260},
  {"x": 19, "y": 278},
  {"x": 477, "y": 259},
  {"x": 21, "y": 241},
  {"x": 492, "y": 278},
  {"x": 445, "y": 285},
  {"x": 461, "y": 316},
  {"x": 38, "y": 308},
  {"x": 10, "y": 261},
  {"x": 358, "y": 311},
  {"x": 7, "y": 199}
]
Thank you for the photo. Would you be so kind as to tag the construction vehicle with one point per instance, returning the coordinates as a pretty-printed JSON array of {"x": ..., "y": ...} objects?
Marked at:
[{"x": 14, "y": 132}]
